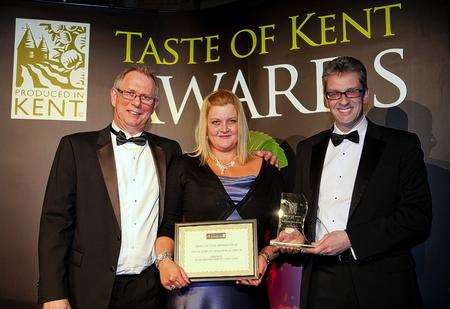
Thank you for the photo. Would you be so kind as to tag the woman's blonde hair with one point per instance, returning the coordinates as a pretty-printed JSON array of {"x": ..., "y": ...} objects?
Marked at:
[{"x": 220, "y": 97}]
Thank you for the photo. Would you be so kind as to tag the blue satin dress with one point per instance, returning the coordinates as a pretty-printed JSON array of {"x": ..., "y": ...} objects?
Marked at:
[{"x": 222, "y": 294}]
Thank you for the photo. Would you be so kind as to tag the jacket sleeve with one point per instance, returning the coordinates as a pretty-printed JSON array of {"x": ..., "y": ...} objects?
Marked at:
[
  {"x": 173, "y": 206},
  {"x": 174, "y": 152},
  {"x": 410, "y": 221},
  {"x": 57, "y": 225}
]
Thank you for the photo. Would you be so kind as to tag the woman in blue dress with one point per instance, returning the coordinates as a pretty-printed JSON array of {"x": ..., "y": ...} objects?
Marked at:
[{"x": 220, "y": 180}]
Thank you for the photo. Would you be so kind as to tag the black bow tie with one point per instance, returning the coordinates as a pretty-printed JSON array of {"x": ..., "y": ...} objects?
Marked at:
[
  {"x": 336, "y": 139},
  {"x": 122, "y": 139}
]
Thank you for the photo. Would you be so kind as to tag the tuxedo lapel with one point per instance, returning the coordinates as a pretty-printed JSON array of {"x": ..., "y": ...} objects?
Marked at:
[
  {"x": 370, "y": 156},
  {"x": 105, "y": 156},
  {"x": 160, "y": 164},
  {"x": 318, "y": 152}
]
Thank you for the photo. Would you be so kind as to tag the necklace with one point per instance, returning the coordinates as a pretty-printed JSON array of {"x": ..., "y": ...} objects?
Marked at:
[{"x": 223, "y": 166}]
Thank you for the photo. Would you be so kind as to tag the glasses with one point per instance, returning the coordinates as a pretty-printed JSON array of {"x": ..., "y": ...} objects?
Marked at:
[
  {"x": 350, "y": 93},
  {"x": 131, "y": 95}
]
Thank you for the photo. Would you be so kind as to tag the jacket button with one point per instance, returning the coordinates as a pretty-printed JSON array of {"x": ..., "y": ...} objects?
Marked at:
[{"x": 113, "y": 269}]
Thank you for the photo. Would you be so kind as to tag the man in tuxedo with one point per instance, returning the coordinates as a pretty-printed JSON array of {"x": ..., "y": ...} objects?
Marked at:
[
  {"x": 103, "y": 204},
  {"x": 369, "y": 200}
]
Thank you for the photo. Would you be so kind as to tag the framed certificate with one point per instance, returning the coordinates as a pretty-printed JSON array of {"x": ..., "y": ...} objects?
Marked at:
[{"x": 218, "y": 250}]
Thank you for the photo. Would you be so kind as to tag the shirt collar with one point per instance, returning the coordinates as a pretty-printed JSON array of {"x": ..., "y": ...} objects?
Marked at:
[
  {"x": 361, "y": 127},
  {"x": 128, "y": 135}
]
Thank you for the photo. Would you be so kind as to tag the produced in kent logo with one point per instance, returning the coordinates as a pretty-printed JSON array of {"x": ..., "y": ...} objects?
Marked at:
[{"x": 50, "y": 75}]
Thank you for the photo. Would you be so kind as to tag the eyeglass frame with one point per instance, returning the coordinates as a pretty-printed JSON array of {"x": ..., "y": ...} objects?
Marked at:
[
  {"x": 358, "y": 90},
  {"x": 133, "y": 96}
]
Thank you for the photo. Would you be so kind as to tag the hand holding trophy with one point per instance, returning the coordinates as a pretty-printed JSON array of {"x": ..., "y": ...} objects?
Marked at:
[{"x": 292, "y": 214}]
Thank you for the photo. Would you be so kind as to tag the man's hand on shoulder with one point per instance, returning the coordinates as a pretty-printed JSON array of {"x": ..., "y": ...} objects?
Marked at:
[
  {"x": 268, "y": 156},
  {"x": 57, "y": 304}
]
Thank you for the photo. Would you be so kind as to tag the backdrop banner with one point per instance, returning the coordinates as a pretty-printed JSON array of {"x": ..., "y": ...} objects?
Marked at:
[{"x": 58, "y": 64}]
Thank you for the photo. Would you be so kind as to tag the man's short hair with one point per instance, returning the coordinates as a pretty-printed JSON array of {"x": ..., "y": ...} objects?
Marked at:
[
  {"x": 141, "y": 68},
  {"x": 343, "y": 65}
]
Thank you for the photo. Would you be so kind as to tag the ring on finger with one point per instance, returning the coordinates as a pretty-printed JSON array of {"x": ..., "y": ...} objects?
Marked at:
[{"x": 172, "y": 287}]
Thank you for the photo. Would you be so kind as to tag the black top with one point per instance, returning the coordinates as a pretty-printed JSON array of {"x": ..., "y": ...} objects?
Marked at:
[{"x": 194, "y": 194}]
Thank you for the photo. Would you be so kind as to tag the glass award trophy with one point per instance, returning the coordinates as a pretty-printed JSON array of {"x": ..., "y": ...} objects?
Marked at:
[{"x": 291, "y": 221}]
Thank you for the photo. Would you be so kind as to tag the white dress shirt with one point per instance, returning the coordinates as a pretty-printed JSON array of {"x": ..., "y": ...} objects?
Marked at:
[
  {"x": 139, "y": 204},
  {"x": 338, "y": 179}
]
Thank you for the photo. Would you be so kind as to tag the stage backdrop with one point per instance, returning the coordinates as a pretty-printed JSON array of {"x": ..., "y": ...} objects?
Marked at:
[{"x": 58, "y": 61}]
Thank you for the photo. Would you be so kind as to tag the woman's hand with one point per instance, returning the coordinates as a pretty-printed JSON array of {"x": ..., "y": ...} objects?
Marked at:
[
  {"x": 57, "y": 304},
  {"x": 291, "y": 237},
  {"x": 262, "y": 267},
  {"x": 172, "y": 275}
]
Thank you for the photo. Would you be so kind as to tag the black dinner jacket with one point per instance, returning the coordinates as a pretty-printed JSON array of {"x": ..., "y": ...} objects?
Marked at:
[
  {"x": 80, "y": 233},
  {"x": 390, "y": 213}
]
